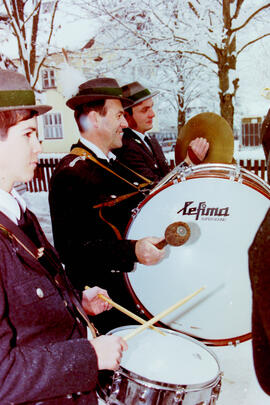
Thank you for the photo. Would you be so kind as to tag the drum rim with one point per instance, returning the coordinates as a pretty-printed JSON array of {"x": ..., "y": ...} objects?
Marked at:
[
  {"x": 169, "y": 386},
  {"x": 191, "y": 174}
]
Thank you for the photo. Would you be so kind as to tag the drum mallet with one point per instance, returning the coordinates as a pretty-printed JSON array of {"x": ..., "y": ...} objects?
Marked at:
[
  {"x": 176, "y": 234},
  {"x": 162, "y": 315}
]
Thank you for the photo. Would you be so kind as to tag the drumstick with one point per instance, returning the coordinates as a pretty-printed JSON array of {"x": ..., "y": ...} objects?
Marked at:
[
  {"x": 126, "y": 311},
  {"x": 162, "y": 314}
]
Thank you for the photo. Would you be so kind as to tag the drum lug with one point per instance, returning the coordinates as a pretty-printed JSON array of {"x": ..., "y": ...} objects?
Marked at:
[
  {"x": 143, "y": 395},
  {"x": 183, "y": 173},
  {"x": 179, "y": 394},
  {"x": 115, "y": 387},
  {"x": 236, "y": 174},
  {"x": 134, "y": 212},
  {"x": 215, "y": 393}
]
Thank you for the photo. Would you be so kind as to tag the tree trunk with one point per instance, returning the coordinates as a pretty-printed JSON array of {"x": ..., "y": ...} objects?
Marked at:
[{"x": 181, "y": 119}]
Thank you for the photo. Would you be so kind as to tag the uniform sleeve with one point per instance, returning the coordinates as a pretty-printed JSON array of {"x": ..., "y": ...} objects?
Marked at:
[
  {"x": 259, "y": 268},
  {"x": 38, "y": 371}
]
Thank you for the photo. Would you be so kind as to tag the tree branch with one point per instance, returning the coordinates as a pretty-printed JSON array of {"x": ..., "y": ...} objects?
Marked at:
[
  {"x": 251, "y": 17},
  {"x": 252, "y": 42}
]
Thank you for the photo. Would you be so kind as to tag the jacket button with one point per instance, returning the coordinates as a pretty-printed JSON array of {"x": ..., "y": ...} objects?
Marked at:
[
  {"x": 65, "y": 303},
  {"x": 69, "y": 396},
  {"x": 40, "y": 293}
]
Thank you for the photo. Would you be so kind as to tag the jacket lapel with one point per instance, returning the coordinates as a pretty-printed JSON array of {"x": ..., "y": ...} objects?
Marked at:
[{"x": 138, "y": 141}]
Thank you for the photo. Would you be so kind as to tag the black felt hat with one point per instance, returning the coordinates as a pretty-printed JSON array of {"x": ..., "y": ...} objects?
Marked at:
[
  {"x": 16, "y": 93},
  {"x": 98, "y": 89}
]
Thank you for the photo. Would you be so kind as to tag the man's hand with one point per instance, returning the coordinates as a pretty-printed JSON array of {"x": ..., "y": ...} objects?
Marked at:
[
  {"x": 92, "y": 303},
  {"x": 146, "y": 251},
  {"x": 199, "y": 148},
  {"x": 109, "y": 351}
]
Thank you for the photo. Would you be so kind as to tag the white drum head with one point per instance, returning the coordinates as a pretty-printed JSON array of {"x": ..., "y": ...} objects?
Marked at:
[
  {"x": 223, "y": 215},
  {"x": 172, "y": 359}
]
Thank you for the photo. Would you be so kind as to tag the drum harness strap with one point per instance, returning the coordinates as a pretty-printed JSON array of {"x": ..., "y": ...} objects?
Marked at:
[
  {"x": 36, "y": 253},
  {"x": 78, "y": 151}
]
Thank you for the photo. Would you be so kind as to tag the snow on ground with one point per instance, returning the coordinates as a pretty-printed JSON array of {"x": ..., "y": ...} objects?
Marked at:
[
  {"x": 239, "y": 383},
  {"x": 39, "y": 204}
]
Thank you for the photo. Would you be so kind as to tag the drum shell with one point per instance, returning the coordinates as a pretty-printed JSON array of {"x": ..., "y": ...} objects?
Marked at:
[{"x": 124, "y": 387}]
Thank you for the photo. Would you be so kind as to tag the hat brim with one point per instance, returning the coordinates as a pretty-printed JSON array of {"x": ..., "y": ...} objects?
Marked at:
[
  {"x": 78, "y": 100},
  {"x": 143, "y": 99},
  {"x": 40, "y": 109}
]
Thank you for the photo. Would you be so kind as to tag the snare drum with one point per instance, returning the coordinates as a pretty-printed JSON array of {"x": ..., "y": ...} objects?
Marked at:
[
  {"x": 223, "y": 206},
  {"x": 163, "y": 370}
]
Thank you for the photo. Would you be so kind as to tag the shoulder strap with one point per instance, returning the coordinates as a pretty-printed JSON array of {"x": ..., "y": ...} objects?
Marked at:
[{"x": 13, "y": 231}]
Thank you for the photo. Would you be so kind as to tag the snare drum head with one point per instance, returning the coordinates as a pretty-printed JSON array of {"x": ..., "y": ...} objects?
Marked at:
[
  {"x": 223, "y": 215},
  {"x": 172, "y": 359}
]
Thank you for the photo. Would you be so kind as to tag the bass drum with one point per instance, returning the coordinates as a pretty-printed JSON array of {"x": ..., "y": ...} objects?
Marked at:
[{"x": 223, "y": 206}]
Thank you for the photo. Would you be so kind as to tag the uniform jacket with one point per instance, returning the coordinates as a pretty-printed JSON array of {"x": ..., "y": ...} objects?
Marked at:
[
  {"x": 136, "y": 155},
  {"x": 88, "y": 246},
  {"x": 45, "y": 357},
  {"x": 259, "y": 269}
]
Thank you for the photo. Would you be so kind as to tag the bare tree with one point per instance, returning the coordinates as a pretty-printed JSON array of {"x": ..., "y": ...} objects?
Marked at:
[
  {"x": 207, "y": 36},
  {"x": 32, "y": 23}
]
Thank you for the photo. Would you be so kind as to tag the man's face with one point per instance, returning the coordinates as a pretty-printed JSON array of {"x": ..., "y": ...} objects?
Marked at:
[
  {"x": 143, "y": 115},
  {"x": 111, "y": 125},
  {"x": 19, "y": 153}
]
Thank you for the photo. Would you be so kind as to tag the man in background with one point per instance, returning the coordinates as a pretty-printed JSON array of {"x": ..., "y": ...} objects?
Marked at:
[{"x": 140, "y": 151}]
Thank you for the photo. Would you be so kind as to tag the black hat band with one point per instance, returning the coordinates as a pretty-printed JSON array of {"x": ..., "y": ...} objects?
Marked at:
[
  {"x": 101, "y": 90},
  {"x": 12, "y": 98},
  {"x": 139, "y": 95}
]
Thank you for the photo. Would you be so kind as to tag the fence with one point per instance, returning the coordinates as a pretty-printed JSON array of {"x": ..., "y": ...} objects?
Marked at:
[
  {"x": 46, "y": 167},
  {"x": 42, "y": 175}
]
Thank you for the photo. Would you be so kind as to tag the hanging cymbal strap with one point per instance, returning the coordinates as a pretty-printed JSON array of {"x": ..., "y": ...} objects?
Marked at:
[
  {"x": 115, "y": 229},
  {"x": 137, "y": 174},
  {"x": 82, "y": 152},
  {"x": 116, "y": 200},
  {"x": 36, "y": 253}
]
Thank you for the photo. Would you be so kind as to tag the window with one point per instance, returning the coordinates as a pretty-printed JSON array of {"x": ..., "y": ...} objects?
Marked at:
[
  {"x": 48, "y": 79},
  {"x": 52, "y": 123}
]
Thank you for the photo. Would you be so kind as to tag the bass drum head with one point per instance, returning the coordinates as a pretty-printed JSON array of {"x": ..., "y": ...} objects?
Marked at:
[{"x": 223, "y": 206}]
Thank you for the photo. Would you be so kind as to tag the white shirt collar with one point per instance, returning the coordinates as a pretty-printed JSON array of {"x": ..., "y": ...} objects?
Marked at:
[
  {"x": 142, "y": 136},
  {"x": 10, "y": 204},
  {"x": 98, "y": 152}
]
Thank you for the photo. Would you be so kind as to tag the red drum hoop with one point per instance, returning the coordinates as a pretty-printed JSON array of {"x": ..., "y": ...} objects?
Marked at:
[{"x": 223, "y": 206}]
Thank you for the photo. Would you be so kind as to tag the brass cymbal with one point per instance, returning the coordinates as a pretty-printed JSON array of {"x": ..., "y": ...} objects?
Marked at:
[{"x": 215, "y": 129}]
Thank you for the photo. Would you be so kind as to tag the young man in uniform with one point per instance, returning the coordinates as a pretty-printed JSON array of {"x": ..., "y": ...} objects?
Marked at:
[{"x": 45, "y": 354}]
